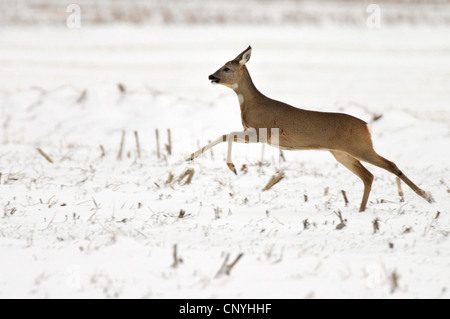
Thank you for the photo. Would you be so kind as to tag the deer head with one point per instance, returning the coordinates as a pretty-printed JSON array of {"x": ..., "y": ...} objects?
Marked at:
[{"x": 230, "y": 73}]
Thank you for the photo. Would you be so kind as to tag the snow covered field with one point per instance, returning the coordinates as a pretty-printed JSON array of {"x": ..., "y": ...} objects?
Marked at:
[{"x": 92, "y": 225}]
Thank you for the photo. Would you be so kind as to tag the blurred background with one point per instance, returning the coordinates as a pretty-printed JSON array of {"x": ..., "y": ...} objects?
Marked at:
[
  {"x": 313, "y": 54},
  {"x": 304, "y": 12}
]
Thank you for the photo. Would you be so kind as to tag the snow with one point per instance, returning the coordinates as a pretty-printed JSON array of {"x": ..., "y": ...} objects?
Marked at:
[{"x": 91, "y": 225}]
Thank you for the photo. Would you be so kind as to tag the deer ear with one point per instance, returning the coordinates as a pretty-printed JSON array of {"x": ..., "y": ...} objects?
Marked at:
[{"x": 244, "y": 56}]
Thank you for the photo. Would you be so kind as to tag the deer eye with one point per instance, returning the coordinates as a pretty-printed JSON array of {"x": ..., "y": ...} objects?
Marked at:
[{"x": 226, "y": 69}]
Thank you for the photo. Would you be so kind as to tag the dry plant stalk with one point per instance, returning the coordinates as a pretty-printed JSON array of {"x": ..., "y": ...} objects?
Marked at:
[
  {"x": 189, "y": 173},
  {"x": 44, "y": 155},
  {"x": 376, "y": 225},
  {"x": 102, "y": 149},
  {"x": 138, "y": 147},
  {"x": 176, "y": 260},
  {"x": 230, "y": 266},
  {"x": 263, "y": 148},
  {"x": 394, "y": 281},
  {"x": 273, "y": 180},
  {"x": 345, "y": 197},
  {"x": 217, "y": 212},
  {"x": 95, "y": 203},
  {"x": 169, "y": 179},
  {"x": 211, "y": 150},
  {"x": 169, "y": 142},
  {"x": 182, "y": 213},
  {"x": 157, "y": 142},
  {"x": 82, "y": 96},
  {"x": 221, "y": 270},
  {"x": 400, "y": 190},
  {"x": 122, "y": 141},
  {"x": 306, "y": 223},
  {"x": 225, "y": 268},
  {"x": 121, "y": 87},
  {"x": 342, "y": 221},
  {"x": 261, "y": 162},
  {"x": 407, "y": 230},
  {"x": 376, "y": 117},
  {"x": 282, "y": 156}
]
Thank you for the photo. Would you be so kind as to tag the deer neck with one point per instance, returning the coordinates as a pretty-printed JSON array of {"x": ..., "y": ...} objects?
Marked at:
[{"x": 246, "y": 91}]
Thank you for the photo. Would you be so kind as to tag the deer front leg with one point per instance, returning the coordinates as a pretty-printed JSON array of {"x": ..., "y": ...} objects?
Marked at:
[
  {"x": 229, "y": 162},
  {"x": 218, "y": 140},
  {"x": 247, "y": 136}
]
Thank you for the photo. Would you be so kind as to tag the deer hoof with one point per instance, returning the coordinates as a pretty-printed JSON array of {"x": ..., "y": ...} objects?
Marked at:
[
  {"x": 231, "y": 167},
  {"x": 429, "y": 198}
]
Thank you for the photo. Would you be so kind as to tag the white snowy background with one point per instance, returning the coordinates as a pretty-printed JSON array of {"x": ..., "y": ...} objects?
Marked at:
[{"x": 94, "y": 226}]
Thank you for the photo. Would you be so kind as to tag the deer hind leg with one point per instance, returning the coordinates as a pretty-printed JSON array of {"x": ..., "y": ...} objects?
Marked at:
[
  {"x": 373, "y": 158},
  {"x": 359, "y": 170}
]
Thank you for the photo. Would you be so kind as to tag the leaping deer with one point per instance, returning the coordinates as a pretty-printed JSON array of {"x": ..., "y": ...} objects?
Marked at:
[{"x": 346, "y": 137}]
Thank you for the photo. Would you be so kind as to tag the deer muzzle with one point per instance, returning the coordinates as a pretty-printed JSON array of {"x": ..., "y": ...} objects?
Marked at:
[{"x": 213, "y": 79}]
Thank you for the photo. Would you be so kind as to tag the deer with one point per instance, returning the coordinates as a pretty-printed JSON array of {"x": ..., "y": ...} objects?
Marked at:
[{"x": 346, "y": 137}]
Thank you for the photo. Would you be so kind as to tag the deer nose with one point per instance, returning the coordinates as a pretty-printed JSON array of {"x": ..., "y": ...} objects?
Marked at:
[{"x": 213, "y": 79}]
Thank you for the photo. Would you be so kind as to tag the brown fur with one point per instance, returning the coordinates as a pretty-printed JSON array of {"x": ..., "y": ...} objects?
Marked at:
[{"x": 346, "y": 137}]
